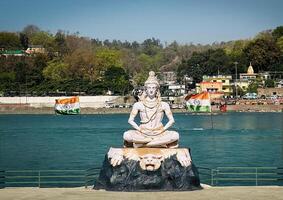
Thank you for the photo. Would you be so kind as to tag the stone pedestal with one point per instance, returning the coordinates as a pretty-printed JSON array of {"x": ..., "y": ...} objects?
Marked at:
[{"x": 148, "y": 169}]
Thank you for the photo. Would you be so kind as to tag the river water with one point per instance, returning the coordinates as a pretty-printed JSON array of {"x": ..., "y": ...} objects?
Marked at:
[{"x": 80, "y": 142}]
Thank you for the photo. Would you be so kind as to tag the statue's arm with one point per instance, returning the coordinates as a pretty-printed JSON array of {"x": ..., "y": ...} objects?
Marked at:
[
  {"x": 169, "y": 115},
  {"x": 133, "y": 114}
]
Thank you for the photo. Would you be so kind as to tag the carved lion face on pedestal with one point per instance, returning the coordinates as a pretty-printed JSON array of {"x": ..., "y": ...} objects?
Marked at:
[{"x": 150, "y": 162}]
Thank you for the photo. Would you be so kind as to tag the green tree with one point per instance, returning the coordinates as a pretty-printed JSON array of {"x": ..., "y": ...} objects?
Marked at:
[
  {"x": 29, "y": 30},
  {"x": 264, "y": 35},
  {"x": 130, "y": 62},
  {"x": 280, "y": 44},
  {"x": 147, "y": 63},
  {"x": 263, "y": 53},
  {"x": 210, "y": 62},
  {"x": 252, "y": 88},
  {"x": 21, "y": 70},
  {"x": 217, "y": 62},
  {"x": 60, "y": 43},
  {"x": 106, "y": 58},
  {"x": 24, "y": 40},
  {"x": 74, "y": 42},
  {"x": 277, "y": 32},
  {"x": 236, "y": 54},
  {"x": 35, "y": 74},
  {"x": 140, "y": 78},
  {"x": 151, "y": 46},
  {"x": 43, "y": 38},
  {"x": 82, "y": 65},
  {"x": 117, "y": 80},
  {"x": 135, "y": 46},
  {"x": 191, "y": 68},
  {"x": 10, "y": 41},
  {"x": 56, "y": 70},
  {"x": 269, "y": 83},
  {"x": 240, "y": 91},
  {"x": 90, "y": 65},
  {"x": 6, "y": 78}
]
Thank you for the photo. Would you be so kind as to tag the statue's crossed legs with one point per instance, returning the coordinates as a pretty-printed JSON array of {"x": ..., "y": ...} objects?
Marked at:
[{"x": 168, "y": 139}]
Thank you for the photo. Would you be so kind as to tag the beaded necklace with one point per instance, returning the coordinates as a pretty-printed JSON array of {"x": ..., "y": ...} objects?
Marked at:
[{"x": 150, "y": 105}]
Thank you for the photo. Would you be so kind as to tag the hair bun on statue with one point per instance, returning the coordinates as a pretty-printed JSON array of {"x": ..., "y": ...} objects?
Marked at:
[{"x": 151, "y": 79}]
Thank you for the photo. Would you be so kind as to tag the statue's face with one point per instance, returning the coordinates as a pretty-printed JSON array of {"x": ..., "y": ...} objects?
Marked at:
[{"x": 151, "y": 90}]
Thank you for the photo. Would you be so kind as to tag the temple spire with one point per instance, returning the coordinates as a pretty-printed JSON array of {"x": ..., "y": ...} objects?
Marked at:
[{"x": 250, "y": 69}]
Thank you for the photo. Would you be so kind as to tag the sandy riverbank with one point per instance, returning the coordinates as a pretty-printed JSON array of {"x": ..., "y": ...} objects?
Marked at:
[{"x": 221, "y": 193}]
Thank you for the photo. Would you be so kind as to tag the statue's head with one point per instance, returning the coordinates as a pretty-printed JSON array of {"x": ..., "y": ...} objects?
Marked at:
[{"x": 151, "y": 85}]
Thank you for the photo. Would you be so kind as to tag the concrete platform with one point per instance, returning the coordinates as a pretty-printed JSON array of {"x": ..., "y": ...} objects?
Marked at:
[{"x": 221, "y": 193}]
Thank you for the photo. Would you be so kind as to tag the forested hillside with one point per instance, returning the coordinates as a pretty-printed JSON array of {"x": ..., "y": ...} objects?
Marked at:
[{"x": 75, "y": 63}]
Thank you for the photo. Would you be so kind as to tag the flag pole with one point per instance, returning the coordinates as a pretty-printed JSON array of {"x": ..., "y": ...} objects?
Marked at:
[{"x": 211, "y": 120}]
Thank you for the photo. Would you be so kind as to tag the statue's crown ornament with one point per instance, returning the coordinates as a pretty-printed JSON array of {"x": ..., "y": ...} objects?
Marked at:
[{"x": 152, "y": 79}]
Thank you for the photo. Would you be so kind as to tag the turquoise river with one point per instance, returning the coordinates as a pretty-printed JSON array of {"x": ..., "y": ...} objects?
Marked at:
[{"x": 80, "y": 142}]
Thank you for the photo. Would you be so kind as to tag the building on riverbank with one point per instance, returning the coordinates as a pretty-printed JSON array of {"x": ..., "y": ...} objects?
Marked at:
[{"x": 220, "y": 83}]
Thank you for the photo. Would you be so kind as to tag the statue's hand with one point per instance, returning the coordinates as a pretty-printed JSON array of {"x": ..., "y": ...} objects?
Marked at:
[
  {"x": 141, "y": 130},
  {"x": 184, "y": 159},
  {"x": 159, "y": 131},
  {"x": 116, "y": 160}
]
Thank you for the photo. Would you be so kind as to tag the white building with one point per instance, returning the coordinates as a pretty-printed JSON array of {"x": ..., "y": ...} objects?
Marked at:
[{"x": 168, "y": 78}]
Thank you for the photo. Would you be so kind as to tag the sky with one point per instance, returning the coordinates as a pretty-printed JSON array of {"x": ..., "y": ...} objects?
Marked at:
[{"x": 184, "y": 21}]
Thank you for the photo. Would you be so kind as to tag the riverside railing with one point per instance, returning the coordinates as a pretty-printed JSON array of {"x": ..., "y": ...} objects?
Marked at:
[
  {"x": 48, "y": 178},
  {"x": 224, "y": 176},
  {"x": 2, "y": 179},
  {"x": 220, "y": 176}
]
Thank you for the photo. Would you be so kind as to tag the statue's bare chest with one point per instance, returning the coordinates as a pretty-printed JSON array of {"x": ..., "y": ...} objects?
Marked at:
[{"x": 151, "y": 114}]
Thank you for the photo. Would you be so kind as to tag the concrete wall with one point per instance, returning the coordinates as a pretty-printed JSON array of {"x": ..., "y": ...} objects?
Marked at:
[
  {"x": 85, "y": 101},
  {"x": 255, "y": 108},
  {"x": 269, "y": 91}
]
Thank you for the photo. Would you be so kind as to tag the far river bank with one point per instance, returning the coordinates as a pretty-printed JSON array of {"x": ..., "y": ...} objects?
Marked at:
[{"x": 26, "y": 109}]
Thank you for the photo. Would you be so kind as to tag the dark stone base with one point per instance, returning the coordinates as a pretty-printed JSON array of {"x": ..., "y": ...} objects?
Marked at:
[{"x": 129, "y": 176}]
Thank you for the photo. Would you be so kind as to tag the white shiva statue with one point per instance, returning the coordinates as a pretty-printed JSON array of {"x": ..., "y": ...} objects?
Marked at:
[{"x": 151, "y": 132}]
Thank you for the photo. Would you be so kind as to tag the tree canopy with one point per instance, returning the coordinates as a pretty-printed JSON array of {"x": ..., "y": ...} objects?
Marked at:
[{"x": 75, "y": 63}]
